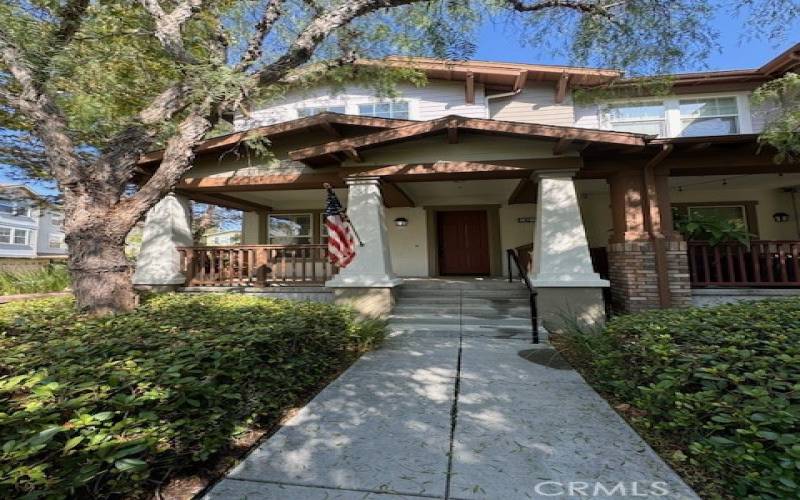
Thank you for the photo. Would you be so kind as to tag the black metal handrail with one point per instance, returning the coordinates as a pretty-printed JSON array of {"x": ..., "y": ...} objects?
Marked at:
[{"x": 512, "y": 257}]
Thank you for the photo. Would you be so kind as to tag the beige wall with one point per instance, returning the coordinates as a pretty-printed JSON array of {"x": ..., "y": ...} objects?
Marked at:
[
  {"x": 408, "y": 245},
  {"x": 535, "y": 104}
]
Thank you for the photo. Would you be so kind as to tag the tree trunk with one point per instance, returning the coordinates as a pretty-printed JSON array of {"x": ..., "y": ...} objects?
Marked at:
[{"x": 101, "y": 272}]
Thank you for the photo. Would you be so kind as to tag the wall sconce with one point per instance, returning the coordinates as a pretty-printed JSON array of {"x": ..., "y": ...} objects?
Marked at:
[
  {"x": 780, "y": 216},
  {"x": 401, "y": 222}
]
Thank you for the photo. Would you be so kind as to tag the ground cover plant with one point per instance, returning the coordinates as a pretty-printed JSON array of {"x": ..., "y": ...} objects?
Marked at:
[
  {"x": 715, "y": 390},
  {"x": 108, "y": 407},
  {"x": 52, "y": 278}
]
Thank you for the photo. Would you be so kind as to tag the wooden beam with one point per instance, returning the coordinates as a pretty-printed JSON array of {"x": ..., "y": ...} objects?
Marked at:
[
  {"x": 525, "y": 192},
  {"x": 452, "y": 134},
  {"x": 562, "y": 87},
  {"x": 352, "y": 154},
  {"x": 261, "y": 182},
  {"x": 393, "y": 196},
  {"x": 224, "y": 201},
  {"x": 519, "y": 83},
  {"x": 444, "y": 171},
  {"x": 561, "y": 146},
  {"x": 469, "y": 88}
]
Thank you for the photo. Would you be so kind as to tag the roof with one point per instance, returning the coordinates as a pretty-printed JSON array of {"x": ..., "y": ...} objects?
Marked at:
[
  {"x": 332, "y": 123},
  {"x": 497, "y": 75},
  {"x": 335, "y": 151},
  {"x": 21, "y": 187}
]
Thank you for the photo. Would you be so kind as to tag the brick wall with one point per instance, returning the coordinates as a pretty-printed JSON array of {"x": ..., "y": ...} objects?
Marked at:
[{"x": 634, "y": 279}]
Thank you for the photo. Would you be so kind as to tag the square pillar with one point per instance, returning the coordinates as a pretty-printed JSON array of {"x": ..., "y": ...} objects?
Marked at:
[
  {"x": 168, "y": 225},
  {"x": 562, "y": 271},
  {"x": 366, "y": 283}
]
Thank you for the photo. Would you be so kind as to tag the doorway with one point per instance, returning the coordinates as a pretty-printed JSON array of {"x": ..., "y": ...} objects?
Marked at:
[{"x": 463, "y": 243}]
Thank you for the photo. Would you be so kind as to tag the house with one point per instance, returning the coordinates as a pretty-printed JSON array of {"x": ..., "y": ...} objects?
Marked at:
[
  {"x": 490, "y": 162},
  {"x": 223, "y": 237},
  {"x": 30, "y": 227}
]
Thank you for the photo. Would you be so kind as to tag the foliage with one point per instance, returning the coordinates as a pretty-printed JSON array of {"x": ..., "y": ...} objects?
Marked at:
[
  {"x": 781, "y": 98},
  {"x": 716, "y": 389},
  {"x": 102, "y": 407},
  {"x": 715, "y": 230},
  {"x": 52, "y": 278}
]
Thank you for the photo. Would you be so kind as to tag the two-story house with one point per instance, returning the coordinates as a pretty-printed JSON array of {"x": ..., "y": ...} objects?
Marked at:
[
  {"x": 489, "y": 161},
  {"x": 29, "y": 226}
]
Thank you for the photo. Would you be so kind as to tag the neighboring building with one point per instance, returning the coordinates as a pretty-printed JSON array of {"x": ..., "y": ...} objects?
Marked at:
[
  {"x": 223, "y": 238},
  {"x": 490, "y": 157},
  {"x": 29, "y": 226}
]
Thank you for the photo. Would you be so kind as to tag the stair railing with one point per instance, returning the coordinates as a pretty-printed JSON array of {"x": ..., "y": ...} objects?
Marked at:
[{"x": 513, "y": 258}]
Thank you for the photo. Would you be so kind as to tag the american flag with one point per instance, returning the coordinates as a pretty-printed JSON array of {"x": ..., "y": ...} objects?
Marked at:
[{"x": 341, "y": 245}]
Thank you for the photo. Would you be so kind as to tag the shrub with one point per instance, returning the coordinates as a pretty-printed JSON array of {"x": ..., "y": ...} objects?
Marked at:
[
  {"x": 716, "y": 389},
  {"x": 52, "y": 278},
  {"x": 102, "y": 406}
]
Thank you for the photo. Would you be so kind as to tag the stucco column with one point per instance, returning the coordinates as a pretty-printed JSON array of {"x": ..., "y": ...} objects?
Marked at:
[
  {"x": 367, "y": 282},
  {"x": 168, "y": 225},
  {"x": 562, "y": 271}
]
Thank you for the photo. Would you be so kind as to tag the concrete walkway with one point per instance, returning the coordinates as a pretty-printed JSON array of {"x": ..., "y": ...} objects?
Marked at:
[{"x": 459, "y": 417}]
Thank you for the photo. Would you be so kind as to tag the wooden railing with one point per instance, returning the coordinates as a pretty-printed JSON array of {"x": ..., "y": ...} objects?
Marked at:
[
  {"x": 256, "y": 265},
  {"x": 764, "y": 264}
]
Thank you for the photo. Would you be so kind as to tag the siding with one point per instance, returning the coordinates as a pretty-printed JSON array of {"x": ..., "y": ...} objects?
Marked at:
[
  {"x": 535, "y": 104},
  {"x": 434, "y": 100}
]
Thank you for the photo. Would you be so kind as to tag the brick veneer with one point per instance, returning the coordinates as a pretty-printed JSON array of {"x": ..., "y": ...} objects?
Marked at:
[{"x": 634, "y": 277}]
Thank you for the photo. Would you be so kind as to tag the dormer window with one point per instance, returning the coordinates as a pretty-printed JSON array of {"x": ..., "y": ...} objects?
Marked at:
[
  {"x": 711, "y": 116},
  {"x": 389, "y": 109},
  {"x": 645, "y": 117}
]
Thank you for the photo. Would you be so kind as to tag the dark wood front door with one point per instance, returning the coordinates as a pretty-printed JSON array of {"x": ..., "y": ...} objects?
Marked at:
[{"x": 463, "y": 238}]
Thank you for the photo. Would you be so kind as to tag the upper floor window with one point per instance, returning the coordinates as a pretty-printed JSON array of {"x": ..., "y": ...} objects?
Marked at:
[
  {"x": 315, "y": 110},
  {"x": 390, "y": 109},
  {"x": 14, "y": 236},
  {"x": 712, "y": 116},
  {"x": 647, "y": 117},
  {"x": 14, "y": 208},
  {"x": 56, "y": 241}
]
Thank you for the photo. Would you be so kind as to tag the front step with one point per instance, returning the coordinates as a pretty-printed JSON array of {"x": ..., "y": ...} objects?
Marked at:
[
  {"x": 467, "y": 294},
  {"x": 455, "y": 319},
  {"x": 484, "y": 310}
]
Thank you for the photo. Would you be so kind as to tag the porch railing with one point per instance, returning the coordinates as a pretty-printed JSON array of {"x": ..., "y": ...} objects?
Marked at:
[
  {"x": 256, "y": 265},
  {"x": 764, "y": 264}
]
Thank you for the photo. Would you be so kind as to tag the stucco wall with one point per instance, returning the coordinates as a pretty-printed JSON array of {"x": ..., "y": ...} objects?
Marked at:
[{"x": 408, "y": 245}]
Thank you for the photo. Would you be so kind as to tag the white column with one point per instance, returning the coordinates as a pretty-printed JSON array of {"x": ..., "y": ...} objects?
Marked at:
[
  {"x": 168, "y": 225},
  {"x": 372, "y": 265},
  {"x": 560, "y": 248}
]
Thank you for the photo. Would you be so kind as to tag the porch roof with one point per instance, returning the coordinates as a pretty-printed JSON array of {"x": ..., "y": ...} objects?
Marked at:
[
  {"x": 564, "y": 138},
  {"x": 335, "y": 124}
]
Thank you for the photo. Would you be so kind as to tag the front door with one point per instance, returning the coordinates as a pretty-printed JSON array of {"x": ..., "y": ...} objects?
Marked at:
[{"x": 463, "y": 239}]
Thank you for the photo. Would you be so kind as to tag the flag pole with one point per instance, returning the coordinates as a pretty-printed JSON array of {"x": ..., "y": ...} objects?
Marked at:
[{"x": 344, "y": 216}]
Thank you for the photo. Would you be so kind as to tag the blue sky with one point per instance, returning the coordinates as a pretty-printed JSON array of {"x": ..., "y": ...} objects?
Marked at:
[{"x": 497, "y": 43}]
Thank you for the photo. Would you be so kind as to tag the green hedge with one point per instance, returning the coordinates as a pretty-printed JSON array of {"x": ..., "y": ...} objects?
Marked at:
[
  {"x": 50, "y": 278},
  {"x": 104, "y": 407},
  {"x": 716, "y": 389}
]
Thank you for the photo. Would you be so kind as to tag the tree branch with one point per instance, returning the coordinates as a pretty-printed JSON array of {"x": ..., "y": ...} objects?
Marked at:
[
  {"x": 49, "y": 123},
  {"x": 254, "y": 50},
  {"x": 169, "y": 26},
  {"x": 576, "y": 5},
  {"x": 71, "y": 15},
  {"x": 302, "y": 48}
]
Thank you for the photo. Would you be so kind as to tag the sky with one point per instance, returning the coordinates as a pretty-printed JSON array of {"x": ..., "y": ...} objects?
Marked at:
[{"x": 498, "y": 43}]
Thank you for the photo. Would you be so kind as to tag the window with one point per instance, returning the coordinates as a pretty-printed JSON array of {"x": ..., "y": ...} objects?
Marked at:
[
  {"x": 7, "y": 207},
  {"x": 14, "y": 236},
  {"x": 639, "y": 117},
  {"x": 713, "y": 116},
  {"x": 391, "y": 109},
  {"x": 315, "y": 110},
  {"x": 290, "y": 229},
  {"x": 56, "y": 241},
  {"x": 15, "y": 208},
  {"x": 736, "y": 214}
]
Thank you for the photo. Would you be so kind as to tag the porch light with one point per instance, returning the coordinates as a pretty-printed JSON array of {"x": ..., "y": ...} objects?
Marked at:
[
  {"x": 401, "y": 222},
  {"x": 780, "y": 216}
]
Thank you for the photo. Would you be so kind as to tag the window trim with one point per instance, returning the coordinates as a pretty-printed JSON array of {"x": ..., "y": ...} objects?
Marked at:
[
  {"x": 672, "y": 116},
  {"x": 306, "y": 105},
  {"x": 390, "y": 102},
  {"x": 13, "y": 234},
  {"x": 312, "y": 225},
  {"x": 750, "y": 213},
  {"x": 606, "y": 119}
]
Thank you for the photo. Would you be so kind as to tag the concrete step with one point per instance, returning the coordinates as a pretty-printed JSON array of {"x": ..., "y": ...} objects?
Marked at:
[
  {"x": 454, "y": 331},
  {"x": 497, "y": 284},
  {"x": 521, "y": 310},
  {"x": 482, "y": 294},
  {"x": 454, "y": 319},
  {"x": 500, "y": 303}
]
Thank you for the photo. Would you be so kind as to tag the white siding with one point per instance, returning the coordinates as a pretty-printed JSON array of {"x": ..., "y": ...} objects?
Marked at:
[
  {"x": 48, "y": 228},
  {"x": 434, "y": 100},
  {"x": 535, "y": 104}
]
